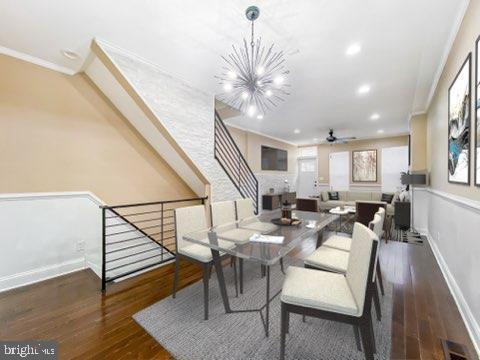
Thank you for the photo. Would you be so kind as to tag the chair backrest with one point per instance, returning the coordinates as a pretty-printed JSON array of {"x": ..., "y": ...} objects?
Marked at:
[
  {"x": 222, "y": 213},
  {"x": 187, "y": 220},
  {"x": 361, "y": 262},
  {"x": 376, "y": 225},
  {"x": 307, "y": 205},
  {"x": 367, "y": 209},
  {"x": 244, "y": 208}
]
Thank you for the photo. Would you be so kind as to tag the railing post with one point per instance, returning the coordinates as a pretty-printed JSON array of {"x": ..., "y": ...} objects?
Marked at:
[
  {"x": 239, "y": 173},
  {"x": 104, "y": 255},
  {"x": 161, "y": 231}
]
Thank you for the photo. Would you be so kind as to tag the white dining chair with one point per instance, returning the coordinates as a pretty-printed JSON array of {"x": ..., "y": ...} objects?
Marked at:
[{"x": 189, "y": 220}]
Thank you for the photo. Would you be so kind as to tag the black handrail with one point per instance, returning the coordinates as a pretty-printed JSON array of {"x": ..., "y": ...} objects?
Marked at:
[
  {"x": 159, "y": 250},
  {"x": 233, "y": 162}
]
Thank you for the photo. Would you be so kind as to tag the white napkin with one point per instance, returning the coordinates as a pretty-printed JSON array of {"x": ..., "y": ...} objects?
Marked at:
[{"x": 267, "y": 239}]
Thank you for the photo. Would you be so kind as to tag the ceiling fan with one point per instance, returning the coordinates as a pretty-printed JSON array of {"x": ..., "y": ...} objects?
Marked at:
[{"x": 332, "y": 139}]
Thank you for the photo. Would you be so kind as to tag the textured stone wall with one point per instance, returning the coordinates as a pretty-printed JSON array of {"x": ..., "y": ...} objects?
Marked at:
[{"x": 186, "y": 112}]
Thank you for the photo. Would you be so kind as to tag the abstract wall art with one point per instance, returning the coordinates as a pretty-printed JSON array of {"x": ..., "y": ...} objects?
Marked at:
[
  {"x": 364, "y": 166},
  {"x": 477, "y": 113},
  {"x": 459, "y": 102}
]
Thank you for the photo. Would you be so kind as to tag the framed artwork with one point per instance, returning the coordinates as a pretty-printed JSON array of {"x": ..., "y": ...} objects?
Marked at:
[
  {"x": 477, "y": 113},
  {"x": 459, "y": 108},
  {"x": 364, "y": 166}
]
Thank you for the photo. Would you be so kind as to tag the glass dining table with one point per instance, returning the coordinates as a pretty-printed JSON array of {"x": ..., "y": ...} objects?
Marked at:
[{"x": 267, "y": 250}]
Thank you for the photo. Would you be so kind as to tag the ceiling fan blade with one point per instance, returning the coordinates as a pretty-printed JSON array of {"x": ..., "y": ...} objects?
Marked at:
[{"x": 347, "y": 138}]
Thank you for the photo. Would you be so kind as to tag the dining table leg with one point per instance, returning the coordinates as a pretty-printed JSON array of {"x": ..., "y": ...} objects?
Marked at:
[
  {"x": 221, "y": 280},
  {"x": 267, "y": 308}
]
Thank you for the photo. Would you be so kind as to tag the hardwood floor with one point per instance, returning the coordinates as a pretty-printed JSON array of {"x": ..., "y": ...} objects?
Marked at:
[{"x": 72, "y": 310}]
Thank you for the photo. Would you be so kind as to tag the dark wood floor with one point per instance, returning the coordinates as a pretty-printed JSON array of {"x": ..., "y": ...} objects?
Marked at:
[{"x": 72, "y": 310}]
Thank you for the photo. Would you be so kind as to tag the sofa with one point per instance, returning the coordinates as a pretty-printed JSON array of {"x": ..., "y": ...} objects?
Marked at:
[{"x": 348, "y": 198}]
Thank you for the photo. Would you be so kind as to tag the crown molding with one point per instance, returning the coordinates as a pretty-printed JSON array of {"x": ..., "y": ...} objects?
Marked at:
[
  {"x": 446, "y": 51},
  {"x": 37, "y": 61},
  {"x": 260, "y": 133}
]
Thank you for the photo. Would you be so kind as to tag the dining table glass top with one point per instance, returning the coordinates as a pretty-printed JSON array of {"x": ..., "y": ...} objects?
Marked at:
[{"x": 258, "y": 239}]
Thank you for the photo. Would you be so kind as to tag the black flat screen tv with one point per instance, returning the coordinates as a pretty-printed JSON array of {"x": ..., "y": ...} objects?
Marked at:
[{"x": 274, "y": 159}]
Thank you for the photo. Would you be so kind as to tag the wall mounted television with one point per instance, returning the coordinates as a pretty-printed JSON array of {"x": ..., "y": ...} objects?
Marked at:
[{"x": 274, "y": 159}]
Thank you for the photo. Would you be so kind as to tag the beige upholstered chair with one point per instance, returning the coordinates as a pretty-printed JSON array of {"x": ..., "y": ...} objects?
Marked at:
[
  {"x": 340, "y": 297},
  {"x": 189, "y": 220},
  {"x": 335, "y": 260},
  {"x": 248, "y": 220}
]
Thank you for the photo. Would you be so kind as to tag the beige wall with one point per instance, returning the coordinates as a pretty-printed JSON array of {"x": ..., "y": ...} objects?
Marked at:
[
  {"x": 250, "y": 145},
  {"x": 437, "y": 112},
  {"x": 418, "y": 142},
  {"x": 59, "y": 133},
  {"x": 324, "y": 151}
]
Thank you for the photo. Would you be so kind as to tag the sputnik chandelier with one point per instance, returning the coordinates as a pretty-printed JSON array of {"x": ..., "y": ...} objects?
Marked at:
[{"x": 254, "y": 77}]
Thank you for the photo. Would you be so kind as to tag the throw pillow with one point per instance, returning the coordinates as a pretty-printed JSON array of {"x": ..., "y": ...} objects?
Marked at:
[
  {"x": 387, "y": 198},
  {"x": 333, "y": 195}
]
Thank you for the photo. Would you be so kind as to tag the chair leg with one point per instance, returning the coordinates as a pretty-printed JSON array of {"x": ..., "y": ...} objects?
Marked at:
[
  {"x": 283, "y": 330},
  {"x": 372, "y": 335},
  {"x": 304, "y": 318},
  {"x": 288, "y": 323},
  {"x": 175, "y": 276},
  {"x": 356, "y": 331},
  {"x": 366, "y": 340},
  {"x": 376, "y": 303},
  {"x": 240, "y": 265},
  {"x": 281, "y": 266},
  {"x": 380, "y": 279},
  {"x": 206, "y": 277},
  {"x": 234, "y": 260}
]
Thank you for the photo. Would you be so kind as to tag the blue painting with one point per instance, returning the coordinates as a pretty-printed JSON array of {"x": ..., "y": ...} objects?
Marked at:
[{"x": 459, "y": 102}]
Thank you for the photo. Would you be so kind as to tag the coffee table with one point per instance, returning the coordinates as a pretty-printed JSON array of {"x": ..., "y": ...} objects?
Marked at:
[{"x": 341, "y": 212}]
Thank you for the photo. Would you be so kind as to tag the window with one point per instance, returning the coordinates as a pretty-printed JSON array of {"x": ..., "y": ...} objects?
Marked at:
[{"x": 309, "y": 151}]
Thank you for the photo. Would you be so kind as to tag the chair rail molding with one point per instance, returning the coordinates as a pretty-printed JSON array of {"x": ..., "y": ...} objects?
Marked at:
[
  {"x": 48, "y": 234},
  {"x": 450, "y": 223}
]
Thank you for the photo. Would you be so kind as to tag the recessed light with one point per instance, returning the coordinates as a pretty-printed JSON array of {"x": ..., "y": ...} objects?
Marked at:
[
  {"x": 380, "y": 131},
  {"x": 315, "y": 139},
  {"x": 259, "y": 116},
  {"x": 375, "y": 116},
  {"x": 364, "y": 89},
  {"x": 69, "y": 54},
  {"x": 296, "y": 131},
  {"x": 353, "y": 49}
]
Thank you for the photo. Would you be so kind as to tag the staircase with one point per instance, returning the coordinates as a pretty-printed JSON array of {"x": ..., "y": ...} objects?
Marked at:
[{"x": 233, "y": 163}]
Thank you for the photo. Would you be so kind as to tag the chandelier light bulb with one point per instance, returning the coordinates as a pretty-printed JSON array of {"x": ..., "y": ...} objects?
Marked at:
[
  {"x": 259, "y": 116},
  {"x": 260, "y": 70},
  {"x": 278, "y": 80},
  {"x": 251, "y": 110},
  {"x": 232, "y": 74},
  {"x": 268, "y": 93},
  {"x": 227, "y": 87},
  {"x": 245, "y": 95}
]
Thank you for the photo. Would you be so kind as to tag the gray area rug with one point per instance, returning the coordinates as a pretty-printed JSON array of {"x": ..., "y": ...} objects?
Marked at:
[{"x": 178, "y": 325}]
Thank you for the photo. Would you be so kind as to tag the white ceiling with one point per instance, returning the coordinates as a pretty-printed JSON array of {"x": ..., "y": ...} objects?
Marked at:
[{"x": 403, "y": 46}]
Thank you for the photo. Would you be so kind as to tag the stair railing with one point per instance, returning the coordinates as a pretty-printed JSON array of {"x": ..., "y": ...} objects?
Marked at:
[
  {"x": 233, "y": 162},
  {"x": 136, "y": 237}
]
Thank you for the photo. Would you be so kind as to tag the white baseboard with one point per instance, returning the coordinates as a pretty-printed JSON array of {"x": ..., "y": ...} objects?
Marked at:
[
  {"x": 471, "y": 324},
  {"x": 40, "y": 274}
]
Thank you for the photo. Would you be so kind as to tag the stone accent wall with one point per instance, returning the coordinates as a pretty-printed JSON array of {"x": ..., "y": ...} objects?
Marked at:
[{"x": 186, "y": 112}]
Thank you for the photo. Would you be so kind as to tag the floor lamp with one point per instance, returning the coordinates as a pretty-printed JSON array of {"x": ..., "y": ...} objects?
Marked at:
[{"x": 413, "y": 179}]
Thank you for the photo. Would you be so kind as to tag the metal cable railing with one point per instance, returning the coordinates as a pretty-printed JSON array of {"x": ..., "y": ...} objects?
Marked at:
[
  {"x": 136, "y": 237},
  {"x": 233, "y": 163}
]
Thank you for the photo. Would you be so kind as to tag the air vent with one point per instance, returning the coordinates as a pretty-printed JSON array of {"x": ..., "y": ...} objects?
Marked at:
[{"x": 453, "y": 350}]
